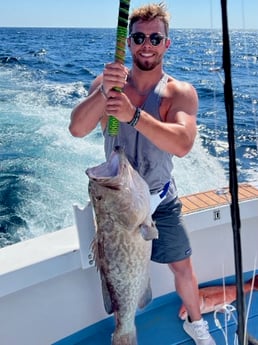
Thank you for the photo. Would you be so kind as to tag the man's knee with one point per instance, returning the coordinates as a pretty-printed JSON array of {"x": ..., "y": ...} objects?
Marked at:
[{"x": 181, "y": 268}]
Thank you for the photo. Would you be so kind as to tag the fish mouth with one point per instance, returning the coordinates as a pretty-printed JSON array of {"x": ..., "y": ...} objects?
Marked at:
[{"x": 109, "y": 170}]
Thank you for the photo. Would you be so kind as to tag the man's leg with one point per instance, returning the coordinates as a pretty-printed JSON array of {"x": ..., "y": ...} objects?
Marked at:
[{"x": 186, "y": 286}]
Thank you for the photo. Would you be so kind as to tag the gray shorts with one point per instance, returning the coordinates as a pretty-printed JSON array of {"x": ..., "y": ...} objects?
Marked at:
[{"x": 173, "y": 243}]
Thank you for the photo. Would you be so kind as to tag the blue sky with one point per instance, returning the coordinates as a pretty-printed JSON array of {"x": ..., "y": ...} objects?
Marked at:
[{"x": 103, "y": 13}]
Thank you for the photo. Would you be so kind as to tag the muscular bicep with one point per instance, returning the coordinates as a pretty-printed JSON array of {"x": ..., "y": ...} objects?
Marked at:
[
  {"x": 183, "y": 111},
  {"x": 187, "y": 122},
  {"x": 183, "y": 105}
]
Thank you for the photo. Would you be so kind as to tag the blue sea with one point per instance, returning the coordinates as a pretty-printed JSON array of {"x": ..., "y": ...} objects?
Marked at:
[{"x": 45, "y": 72}]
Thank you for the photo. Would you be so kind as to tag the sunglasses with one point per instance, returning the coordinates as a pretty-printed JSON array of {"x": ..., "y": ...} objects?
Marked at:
[{"x": 155, "y": 38}]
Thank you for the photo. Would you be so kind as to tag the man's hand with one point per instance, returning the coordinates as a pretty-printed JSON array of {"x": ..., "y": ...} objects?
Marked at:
[
  {"x": 119, "y": 106},
  {"x": 114, "y": 76}
]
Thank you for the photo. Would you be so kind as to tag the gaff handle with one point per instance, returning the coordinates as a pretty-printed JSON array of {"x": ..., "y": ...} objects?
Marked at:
[{"x": 121, "y": 34}]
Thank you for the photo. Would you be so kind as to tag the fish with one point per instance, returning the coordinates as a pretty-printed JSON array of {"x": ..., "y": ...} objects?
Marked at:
[
  {"x": 213, "y": 298},
  {"x": 122, "y": 245}
]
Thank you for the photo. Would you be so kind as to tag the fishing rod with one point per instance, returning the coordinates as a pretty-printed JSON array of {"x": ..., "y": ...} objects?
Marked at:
[
  {"x": 123, "y": 14},
  {"x": 233, "y": 182}
]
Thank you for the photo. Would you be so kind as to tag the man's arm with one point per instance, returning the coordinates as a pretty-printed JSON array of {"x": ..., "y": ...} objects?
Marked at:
[
  {"x": 177, "y": 132},
  {"x": 86, "y": 115}
]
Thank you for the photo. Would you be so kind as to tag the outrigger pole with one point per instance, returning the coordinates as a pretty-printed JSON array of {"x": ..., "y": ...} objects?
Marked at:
[
  {"x": 113, "y": 123},
  {"x": 233, "y": 182}
]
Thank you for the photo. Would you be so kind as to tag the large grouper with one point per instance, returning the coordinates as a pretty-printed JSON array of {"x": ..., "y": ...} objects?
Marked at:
[{"x": 122, "y": 245}]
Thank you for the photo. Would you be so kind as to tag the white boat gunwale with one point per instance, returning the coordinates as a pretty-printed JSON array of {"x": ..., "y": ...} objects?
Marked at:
[{"x": 53, "y": 262}]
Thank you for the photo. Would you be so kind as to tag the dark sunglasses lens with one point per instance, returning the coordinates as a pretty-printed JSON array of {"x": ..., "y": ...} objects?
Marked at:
[
  {"x": 138, "y": 38},
  {"x": 155, "y": 39}
]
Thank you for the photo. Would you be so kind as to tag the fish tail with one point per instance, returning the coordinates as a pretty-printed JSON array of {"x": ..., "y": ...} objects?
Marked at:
[
  {"x": 182, "y": 312},
  {"x": 124, "y": 339},
  {"x": 250, "y": 281}
]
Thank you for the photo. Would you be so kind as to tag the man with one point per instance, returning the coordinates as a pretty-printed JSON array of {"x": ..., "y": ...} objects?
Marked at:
[{"x": 157, "y": 116}]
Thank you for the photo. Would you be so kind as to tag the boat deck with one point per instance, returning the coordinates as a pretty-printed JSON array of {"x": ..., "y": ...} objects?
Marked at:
[
  {"x": 214, "y": 198},
  {"x": 160, "y": 325}
]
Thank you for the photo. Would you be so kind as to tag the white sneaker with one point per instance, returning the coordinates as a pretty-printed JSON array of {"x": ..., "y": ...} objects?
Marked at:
[{"x": 199, "y": 332}]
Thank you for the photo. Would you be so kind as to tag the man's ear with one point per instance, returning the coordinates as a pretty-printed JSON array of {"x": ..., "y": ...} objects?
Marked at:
[{"x": 167, "y": 43}]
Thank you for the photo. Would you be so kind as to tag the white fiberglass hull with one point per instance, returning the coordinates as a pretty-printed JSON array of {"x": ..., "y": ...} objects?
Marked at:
[{"x": 49, "y": 290}]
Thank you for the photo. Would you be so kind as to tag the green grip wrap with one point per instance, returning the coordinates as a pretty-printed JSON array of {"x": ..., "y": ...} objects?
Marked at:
[{"x": 121, "y": 34}]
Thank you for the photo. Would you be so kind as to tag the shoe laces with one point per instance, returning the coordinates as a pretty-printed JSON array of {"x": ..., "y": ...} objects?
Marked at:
[{"x": 201, "y": 330}]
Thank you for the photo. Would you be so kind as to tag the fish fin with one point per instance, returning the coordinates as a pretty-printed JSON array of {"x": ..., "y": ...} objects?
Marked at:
[
  {"x": 96, "y": 249},
  {"x": 149, "y": 232},
  {"x": 146, "y": 297},
  {"x": 106, "y": 295}
]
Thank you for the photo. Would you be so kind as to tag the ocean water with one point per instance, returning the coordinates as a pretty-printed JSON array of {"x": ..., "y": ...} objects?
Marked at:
[{"x": 44, "y": 73}]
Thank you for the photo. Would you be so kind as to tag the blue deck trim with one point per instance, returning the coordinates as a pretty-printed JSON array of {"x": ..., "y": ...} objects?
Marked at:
[{"x": 159, "y": 324}]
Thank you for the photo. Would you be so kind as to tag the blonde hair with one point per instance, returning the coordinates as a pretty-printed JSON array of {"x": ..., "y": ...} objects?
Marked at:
[{"x": 148, "y": 13}]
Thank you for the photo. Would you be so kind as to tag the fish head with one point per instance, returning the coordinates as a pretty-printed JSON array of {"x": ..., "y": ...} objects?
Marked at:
[
  {"x": 111, "y": 174},
  {"x": 117, "y": 190}
]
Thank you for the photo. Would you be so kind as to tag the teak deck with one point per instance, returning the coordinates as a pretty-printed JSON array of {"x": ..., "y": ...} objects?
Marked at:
[{"x": 213, "y": 198}]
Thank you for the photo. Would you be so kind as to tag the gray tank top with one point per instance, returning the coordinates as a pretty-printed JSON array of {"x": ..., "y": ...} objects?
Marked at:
[{"x": 153, "y": 164}]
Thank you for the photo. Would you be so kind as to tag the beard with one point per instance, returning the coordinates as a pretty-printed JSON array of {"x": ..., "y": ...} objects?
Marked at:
[{"x": 147, "y": 65}]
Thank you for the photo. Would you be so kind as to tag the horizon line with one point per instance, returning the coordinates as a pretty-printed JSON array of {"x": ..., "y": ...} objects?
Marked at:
[{"x": 102, "y": 27}]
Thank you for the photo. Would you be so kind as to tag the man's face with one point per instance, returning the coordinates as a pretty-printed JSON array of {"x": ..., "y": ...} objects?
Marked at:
[{"x": 147, "y": 56}]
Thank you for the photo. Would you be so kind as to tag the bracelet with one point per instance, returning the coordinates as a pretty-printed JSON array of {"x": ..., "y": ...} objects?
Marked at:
[
  {"x": 135, "y": 118},
  {"x": 103, "y": 92}
]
